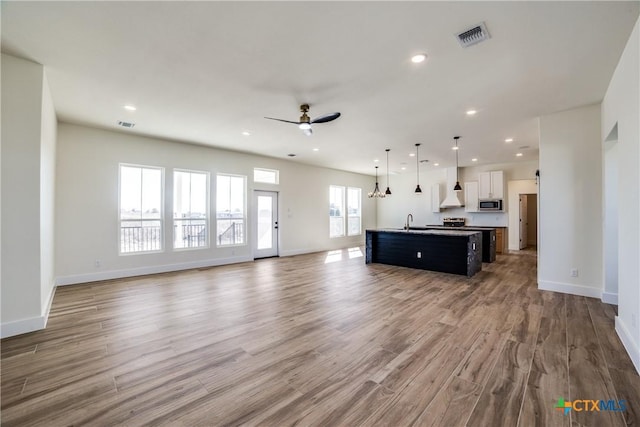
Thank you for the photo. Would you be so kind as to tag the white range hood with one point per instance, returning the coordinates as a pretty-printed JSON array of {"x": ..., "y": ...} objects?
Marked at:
[{"x": 451, "y": 200}]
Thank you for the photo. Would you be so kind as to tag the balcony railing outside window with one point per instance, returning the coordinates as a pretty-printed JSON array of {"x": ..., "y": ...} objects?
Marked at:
[
  {"x": 230, "y": 233},
  {"x": 140, "y": 236},
  {"x": 190, "y": 233}
]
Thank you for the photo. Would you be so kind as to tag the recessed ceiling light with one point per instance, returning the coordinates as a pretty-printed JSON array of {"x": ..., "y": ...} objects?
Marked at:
[
  {"x": 246, "y": 133},
  {"x": 412, "y": 154},
  {"x": 376, "y": 160},
  {"x": 471, "y": 112},
  {"x": 474, "y": 160},
  {"x": 416, "y": 59},
  {"x": 518, "y": 154},
  {"x": 130, "y": 108},
  {"x": 316, "y": 149},
  {"x": 455, "y": 147},
  {"x": 436, "y": 164},
  {"x": 403, "y": 168},
  {"x": 508, "y": 140}
]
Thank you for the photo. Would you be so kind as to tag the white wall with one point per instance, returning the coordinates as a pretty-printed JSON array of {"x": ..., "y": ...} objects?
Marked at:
[
  {"x": 49, "y": 131},
  {"x": 611, "y": 185},
  {"x": 621, "y": 107},
  {"x": 28, "y": 147},
  {"x": 570, "y": 202},
  {"x": 392, "y": 212},
  {"x": 87, "y": 203}
]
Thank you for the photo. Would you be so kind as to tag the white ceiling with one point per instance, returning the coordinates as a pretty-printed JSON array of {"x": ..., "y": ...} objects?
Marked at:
[{"x": 204, "y": 72}]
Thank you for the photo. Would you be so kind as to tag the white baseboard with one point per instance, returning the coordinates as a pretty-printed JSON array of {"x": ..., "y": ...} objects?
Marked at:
[
  {"x": 628, "y": 343},
  {"x": 23, "y": 326},
  {"x": 609, "y": 298},
  {"x": 141, "y": 271},
  {"x": 294, "y": 252},
  {"x": 47, "y": 308},
  {"x": 569, "y": 288}
]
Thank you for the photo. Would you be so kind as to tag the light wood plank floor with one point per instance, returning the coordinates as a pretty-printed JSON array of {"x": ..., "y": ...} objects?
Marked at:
[{"x": 303, "y": 341}]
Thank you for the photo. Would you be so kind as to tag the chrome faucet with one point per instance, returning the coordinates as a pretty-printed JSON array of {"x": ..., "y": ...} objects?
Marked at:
[{"x": 406, "y": 227}]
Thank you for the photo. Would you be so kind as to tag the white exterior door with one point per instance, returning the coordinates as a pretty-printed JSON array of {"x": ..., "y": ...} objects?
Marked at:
[{"x": 265, "y": 224}]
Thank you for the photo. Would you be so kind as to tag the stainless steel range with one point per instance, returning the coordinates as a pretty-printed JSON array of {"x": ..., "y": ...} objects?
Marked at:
[{"x": 453, "y": 222}]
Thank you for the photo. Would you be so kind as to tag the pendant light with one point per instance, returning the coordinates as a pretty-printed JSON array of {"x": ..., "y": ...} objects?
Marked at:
[
  {"x": 376, "y": 193},
  {"x": 388, "y": 192},
  {"x": 418, "y": 189},
  {"x": 457, "y": 186}
]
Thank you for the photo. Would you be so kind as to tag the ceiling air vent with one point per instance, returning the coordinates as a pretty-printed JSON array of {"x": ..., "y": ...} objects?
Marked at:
[
  {"x": 125, "y": 124},
  {"x": 473, "y": 35}
]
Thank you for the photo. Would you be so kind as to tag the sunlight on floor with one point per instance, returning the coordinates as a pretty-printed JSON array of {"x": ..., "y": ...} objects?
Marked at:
[
  {"x": 355, "y": 253},
  {"x": 333, "y": 256}
]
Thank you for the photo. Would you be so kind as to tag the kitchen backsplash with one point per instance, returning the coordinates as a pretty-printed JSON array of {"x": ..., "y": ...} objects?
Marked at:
[{"x": 486, "y": 219}]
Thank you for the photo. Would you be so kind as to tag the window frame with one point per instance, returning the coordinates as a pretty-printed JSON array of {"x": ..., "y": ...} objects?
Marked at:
[
  {"x": 207, "y": 210},
  {"x": 359, "y": 216},
  {"x": 276, "y": 173},
  {"x": 343, "y": 216},
  {"x": 244, "y": 212},
  {"x": 161, "y": 220}
]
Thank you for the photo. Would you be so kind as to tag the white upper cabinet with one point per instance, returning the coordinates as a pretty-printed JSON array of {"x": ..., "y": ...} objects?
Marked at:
[
  {"x": 491, "y": 185},
  {"x": 471, "y": 196}
]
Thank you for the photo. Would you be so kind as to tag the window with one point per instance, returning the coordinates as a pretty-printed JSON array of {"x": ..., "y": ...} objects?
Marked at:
[
  {"x": 190, "y": 209},
  {"x": 268, "y": 176},
  {"x": 140, "y": 209},
  {"x": 336, "y": 211},
  {"x": 230, "y": 217},
  {"x": 354, "y": 211}
]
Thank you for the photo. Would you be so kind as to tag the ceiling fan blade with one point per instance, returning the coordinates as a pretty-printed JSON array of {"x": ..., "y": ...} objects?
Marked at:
[
  {"x": 307, "y": 132},
  {"x": 326, "y": 118},
  {"x": 281, "y": 120}
]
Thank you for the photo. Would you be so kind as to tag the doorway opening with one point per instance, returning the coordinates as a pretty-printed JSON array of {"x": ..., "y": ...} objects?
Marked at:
[{"x": 528, "y": 222}]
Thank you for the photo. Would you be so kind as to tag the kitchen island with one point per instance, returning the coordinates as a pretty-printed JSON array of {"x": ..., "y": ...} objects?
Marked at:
[
  {"x": 488, "y": 238},
  {"x": 447, "y": 251}
]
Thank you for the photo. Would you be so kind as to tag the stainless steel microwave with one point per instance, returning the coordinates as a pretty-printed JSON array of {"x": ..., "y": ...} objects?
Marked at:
[{"x": 490, "y": 205}]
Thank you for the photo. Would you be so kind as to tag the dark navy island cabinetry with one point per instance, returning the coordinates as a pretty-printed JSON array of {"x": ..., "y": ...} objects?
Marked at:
[
  {"x": 488, "y": 238},
  {"x": 447, "y": 251}
]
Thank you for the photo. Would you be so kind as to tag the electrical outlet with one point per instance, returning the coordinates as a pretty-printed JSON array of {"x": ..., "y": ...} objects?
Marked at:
[
  {"x": 419, "y": 254},
  {"x": 574, "y": 272}
]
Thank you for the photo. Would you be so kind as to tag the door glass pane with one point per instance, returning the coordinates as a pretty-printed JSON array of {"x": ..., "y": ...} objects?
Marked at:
[{"x": 265, "y": 220}]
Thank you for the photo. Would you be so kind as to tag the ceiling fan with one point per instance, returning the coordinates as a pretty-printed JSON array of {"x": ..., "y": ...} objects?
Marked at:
[{"x": 305, "y": 122}]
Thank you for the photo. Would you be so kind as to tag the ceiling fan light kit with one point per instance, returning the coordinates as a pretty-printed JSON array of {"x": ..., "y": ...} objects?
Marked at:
[{"x": 305, "y": 122}]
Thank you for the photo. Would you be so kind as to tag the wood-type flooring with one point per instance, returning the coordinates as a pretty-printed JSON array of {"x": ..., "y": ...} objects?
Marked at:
[{"x": 319, "y": 339}]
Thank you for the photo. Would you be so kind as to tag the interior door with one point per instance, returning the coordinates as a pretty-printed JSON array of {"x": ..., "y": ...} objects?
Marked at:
[
  {"x": 266, "y": 224},
  {"x": 523, "y": 221}
]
